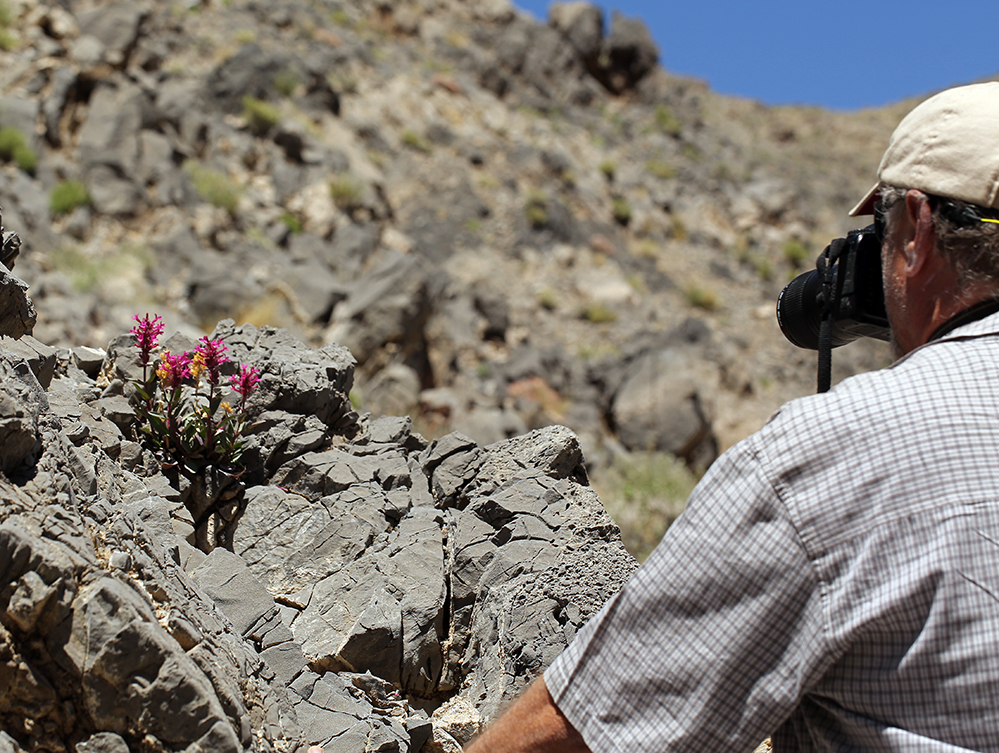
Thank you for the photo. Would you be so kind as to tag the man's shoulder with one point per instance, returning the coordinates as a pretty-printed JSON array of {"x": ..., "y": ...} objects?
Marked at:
[
  {"x": 912, "y": 433},
  {"x": 938, "y": 372}
]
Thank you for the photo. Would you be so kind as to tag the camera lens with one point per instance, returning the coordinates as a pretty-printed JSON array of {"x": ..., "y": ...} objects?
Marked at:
[{"x": 798, "y": 311}]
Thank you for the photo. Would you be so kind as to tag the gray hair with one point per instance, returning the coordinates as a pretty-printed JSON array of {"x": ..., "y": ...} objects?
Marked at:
[{"x": 972, "y": 250}]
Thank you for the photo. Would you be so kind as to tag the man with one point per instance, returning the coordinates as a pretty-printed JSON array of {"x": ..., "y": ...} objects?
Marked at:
[{"x": 834, "y": 581}]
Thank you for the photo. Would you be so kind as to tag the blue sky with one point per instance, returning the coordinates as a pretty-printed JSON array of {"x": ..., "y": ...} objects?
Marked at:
[{"x": 844, "y": 54}]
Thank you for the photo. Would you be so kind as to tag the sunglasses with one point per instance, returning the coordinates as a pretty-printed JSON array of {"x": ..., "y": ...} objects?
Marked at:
[
  {"x": 960, "y": 215},
  {"x": 880, "y": 221}
]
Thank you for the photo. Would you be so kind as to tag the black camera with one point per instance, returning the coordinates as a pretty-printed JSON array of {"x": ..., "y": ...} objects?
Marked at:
[{"x": 844, "y": 289}]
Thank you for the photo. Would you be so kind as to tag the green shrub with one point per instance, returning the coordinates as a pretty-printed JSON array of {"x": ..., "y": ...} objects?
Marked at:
[
  {"x": 8, "y": 40},
  {"x": 764, "y": 269},
  {"x": 7, "y": 14},
  {"x": 637, "y": 283},
  {"x": 536, "y": 210},
  {"x": 261, "y": 116},
  {"x": 548, "y": 299},
  {"x": 660, "y": 169},
  {"x": 91, "y": 274},
  {"x": 214, "y": 187},
  {"x": 702, "y": 298},
  {"x": 416, "y": 142},
  {"x": 345, "y": 191},
  {"x": 340, "y": 17},
  {"x": 644, "y": 493},
  {"x": 667, "y": 122},
  {"x": 67, "y": 196},
  {"x": 621, "y": 210},
  {"x": 692, "y": 153},
  {"x": 608, "y": 168},
  {"x": 598, "y": 313},
  {"x": 285, "y": 82},
  {"x": 796, "y": 253},
  {"x": 678, "y": 228},
  {"x": 292, "y": 222},
  {"x": 14, "y": 148},
  {"x": 760, "y": 264}
]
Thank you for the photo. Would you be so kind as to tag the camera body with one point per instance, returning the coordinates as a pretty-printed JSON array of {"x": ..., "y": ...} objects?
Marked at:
[{"x": 846, "y": 286}]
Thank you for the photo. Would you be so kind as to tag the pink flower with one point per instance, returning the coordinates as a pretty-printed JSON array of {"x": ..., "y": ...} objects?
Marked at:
[
  {"x": 173, "y": 369},
  {"x": 244, "y": 382},
  {"x": 146, "y": 332},
  {"x": 212, "y": 353}
]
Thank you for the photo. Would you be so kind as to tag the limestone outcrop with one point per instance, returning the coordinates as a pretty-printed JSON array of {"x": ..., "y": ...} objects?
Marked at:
[{"x": 373, "y": 577}]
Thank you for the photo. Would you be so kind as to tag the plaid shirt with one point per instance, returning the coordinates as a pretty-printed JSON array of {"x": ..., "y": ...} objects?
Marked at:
[{"x": 834, "y": 580}]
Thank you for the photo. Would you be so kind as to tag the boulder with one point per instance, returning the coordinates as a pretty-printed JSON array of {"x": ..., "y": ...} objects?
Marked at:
[
  {"x": 17, "y": 312},
  {"x": 390, "y": 305},
  {"x": 22, "y": 402},
  {"x": 248, "y": 73},
  {"x": 629, "y": 54},
  {"x": 665, "y": 405},
  {"x": 110, "y": 149},
  {"x": 117, "y": 27},
  {"x": 582, "y": 23}
]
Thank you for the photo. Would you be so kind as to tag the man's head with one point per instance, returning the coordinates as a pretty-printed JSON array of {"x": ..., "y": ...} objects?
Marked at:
[
  {"x": 947, "y": 146},
  {"x": 938, "y": 196}
]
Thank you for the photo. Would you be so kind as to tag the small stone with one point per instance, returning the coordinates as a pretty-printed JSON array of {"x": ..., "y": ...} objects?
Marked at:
[{"x": 121, "y": 560}]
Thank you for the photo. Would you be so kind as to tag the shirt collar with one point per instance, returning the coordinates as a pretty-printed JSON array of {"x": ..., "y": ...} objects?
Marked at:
[{"x": 978, "y": 323}]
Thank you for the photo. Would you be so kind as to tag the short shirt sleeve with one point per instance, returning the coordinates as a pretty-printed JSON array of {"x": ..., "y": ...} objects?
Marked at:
[{"x": 712, "y": 643}]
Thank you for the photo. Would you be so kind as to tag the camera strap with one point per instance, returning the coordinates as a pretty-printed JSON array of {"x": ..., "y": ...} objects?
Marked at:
[{"x": 827, "y": 268}]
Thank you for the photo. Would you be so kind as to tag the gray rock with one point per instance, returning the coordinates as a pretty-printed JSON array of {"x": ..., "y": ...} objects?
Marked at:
[
  {"x": 62, "y": 83},
  {"x": 40, "y": 358},
  {"x": 329, "y": 715},
  {"x": 290, "y": 543},
  {"x": 116, "y": 26},
  {"x": 226, "y": 578},
  {"x": 294, "y": 378},
  {"x": 393, "y": 391},
  {"x": 630, "y": 54},
  {"x": 374, "y": 642},
  {"x": 250, "y": 72},
  {"x": 109, "y": 149},
  {"x": 320, "y": 474},
  {"x": 22, "y": 402},
  {"x": 8, "y": 744},
  {"x": 103, "y": 742},
  {"x": 89, "y": 360},
  {"x": 391, "y": 305},
  {"x": 313, "y": 288},
  {"x": 439, "y": 223},
  {"x": 17, "y": 312},
  {"x": 665, "y": 405},
  {"x": 451, "y": 463},
  {"x": 109, "y": 623},
  {"x": 352, "y": 246},
  {"x": 582, "y": 23},
  {"x": 218, "y": 285},
  {"x": 22, "y": 114}
]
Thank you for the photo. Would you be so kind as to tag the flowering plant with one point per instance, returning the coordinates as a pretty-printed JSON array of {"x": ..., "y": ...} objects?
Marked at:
[{"x": 192, "y": 426}]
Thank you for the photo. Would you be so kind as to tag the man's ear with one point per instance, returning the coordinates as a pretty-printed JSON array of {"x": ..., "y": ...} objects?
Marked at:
[{"x": 921, "y": 248}]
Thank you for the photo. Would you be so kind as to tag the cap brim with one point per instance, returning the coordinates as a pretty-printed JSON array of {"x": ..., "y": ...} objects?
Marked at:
[{"x": 866, "y": 205}]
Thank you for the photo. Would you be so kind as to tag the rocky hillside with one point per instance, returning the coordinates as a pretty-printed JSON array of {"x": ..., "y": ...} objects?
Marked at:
[{"x": 509, "y": 224}]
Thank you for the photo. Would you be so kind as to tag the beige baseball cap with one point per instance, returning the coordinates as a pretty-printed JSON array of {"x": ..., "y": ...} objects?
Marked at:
[{"x": 947, "y": 146}]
